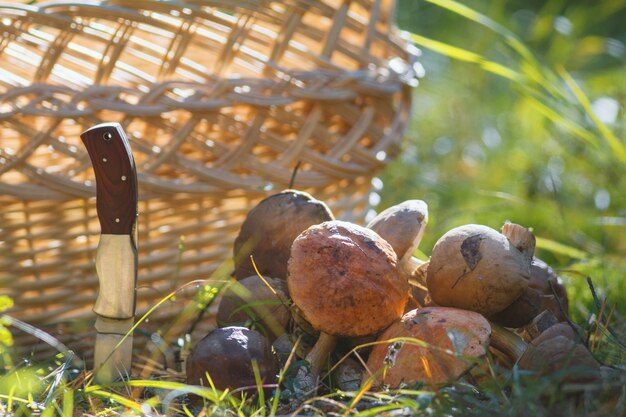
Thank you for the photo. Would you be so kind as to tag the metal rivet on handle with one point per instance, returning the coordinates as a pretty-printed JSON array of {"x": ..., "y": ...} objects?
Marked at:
[
  {"x": 123, "y": 177},
  {"x": 107, "y": 136},
  {"x": 117, "y": 220}
]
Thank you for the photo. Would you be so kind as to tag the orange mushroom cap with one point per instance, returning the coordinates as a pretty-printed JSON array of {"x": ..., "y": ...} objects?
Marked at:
[
  {"x": 444, "y": 331},
  {"x": 344, "y": 279}
]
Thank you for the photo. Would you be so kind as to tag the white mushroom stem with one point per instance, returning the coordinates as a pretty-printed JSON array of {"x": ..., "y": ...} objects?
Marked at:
[
  {"x": 409, "y": 266},
  {"x": 508, "y": 343},
  {"x": 322, "y": 349},
  {"x": 520, "y": 237}
]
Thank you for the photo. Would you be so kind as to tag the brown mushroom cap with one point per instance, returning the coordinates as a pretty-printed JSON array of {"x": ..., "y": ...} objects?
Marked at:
[
  {"x": 226, "y": 354},
  {"x": 402, "y": 225},
  {"x": 559, "y": 329},
  {"x": 442, "y": 328},
  {"x": 536, "y": 298},
  {"x": 542, "y": 277},
  {"x": 251, "y": 301},
  {"x": 521, "y": 311},
  {"x": 344, "y": 279},
  {"x": 270, "y": 228},
  {"x": 559, "y": 353},
  {"x": 476, "y": 268}
]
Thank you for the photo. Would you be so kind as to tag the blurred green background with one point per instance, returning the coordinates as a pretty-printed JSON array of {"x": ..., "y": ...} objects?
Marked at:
[{"x": 501, "y": 130}]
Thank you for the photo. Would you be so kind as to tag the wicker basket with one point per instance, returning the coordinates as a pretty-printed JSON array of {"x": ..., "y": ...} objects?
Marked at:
[{"x": 221, "y": 100}]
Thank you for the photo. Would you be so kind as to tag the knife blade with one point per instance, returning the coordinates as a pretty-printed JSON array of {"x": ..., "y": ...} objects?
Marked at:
[{"x": 116, "y": 255}]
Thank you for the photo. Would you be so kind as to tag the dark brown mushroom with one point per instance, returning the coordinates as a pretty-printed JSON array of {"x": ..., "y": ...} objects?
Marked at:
[
  {"x": 257, "y": 304},
  {"x": 544, "y": 287},
  {"x": 269, "y": 230},
  {"x": 561, "y": 353},
  {"x": 543, "y": 279},
  {"x": 559, "y": 329},
  {"x": 227, "y": 355},
  {"x": 521, "y": 311}
]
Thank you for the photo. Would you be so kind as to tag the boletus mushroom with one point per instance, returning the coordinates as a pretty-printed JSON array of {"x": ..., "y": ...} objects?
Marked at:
[
  {"x": 227, "y": 355},
  {"x": 419, "y": 291},
  {"x": 545, "y": 291},
  {"x": 345, "y": 281},
  {"x": 559, "y": 348},
  {"x": 544, "y": 280},
  {"x": 445, "y": 339},
  {"x": 476, "y": 268},
  {"x": 269, "y": 230},
  {"x": 255, "y": 303},
  {"x": 403, "y": 226}
]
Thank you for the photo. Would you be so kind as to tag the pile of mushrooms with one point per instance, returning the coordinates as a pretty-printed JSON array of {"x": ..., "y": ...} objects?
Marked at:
[{"x": 313, "y": 288}]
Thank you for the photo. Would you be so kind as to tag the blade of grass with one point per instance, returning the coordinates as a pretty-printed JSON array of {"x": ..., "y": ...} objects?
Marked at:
[
  {"x": 594, "y": 343},
  {"x": 465, "y": 11},
  {"x": 597, "y": 304},
  {"x": 146, "y": 315},
  {"x": 529, "y": 89},
  {"x": 603, "y": 328},
  {"x": 60, "y": 373},
  {"x": 532, "y": 75},
  {"x": 569, "y": 125},
  {"x": 530, "y": 66},
  {"x": 43, "y": 336},
  {"x": 359, "y": 395},
  {"x": 614, "y": 143},
  {"x": 467, "y": 56},
  {"x": 380, "y": 410},
  {"x": 126, "y": 402},
  {"x": 259, "y": 386},
  {"x": 68, "y": 402},
  {"x": 560, "y": 248},
  {"x": 187, "y": 412}
]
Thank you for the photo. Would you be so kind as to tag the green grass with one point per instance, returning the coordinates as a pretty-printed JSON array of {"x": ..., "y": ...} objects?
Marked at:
[{"x": 503, "y": 129}]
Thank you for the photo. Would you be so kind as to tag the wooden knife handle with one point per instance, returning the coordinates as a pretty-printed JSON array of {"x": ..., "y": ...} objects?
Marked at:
[{"x": 116, "y": 177}]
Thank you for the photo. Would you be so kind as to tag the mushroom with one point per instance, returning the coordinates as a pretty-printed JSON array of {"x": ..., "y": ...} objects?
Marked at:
[
  {"x": 250, "y": 302},
  {"x": 344, "y": 279},
  {"x": 403, "y": 226},
  {"x": 521, "y": 311},
  {"x": 556, "y": 351},
  {"x": 445, "y": 339},
  {"x": 419, "y": 291},
  {"x": 559, "y": 329},
  {"x": 269, "y": 230},
  {"x": 476, "y": 268},
  {"x": 537, "y": 297},
  {"x": 543, "y": 279},
  {"x": 226, "y": 355}
]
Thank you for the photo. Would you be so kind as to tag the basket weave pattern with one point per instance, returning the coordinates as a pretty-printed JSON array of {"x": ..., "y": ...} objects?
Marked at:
[{"x": 221, "y": 101}]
